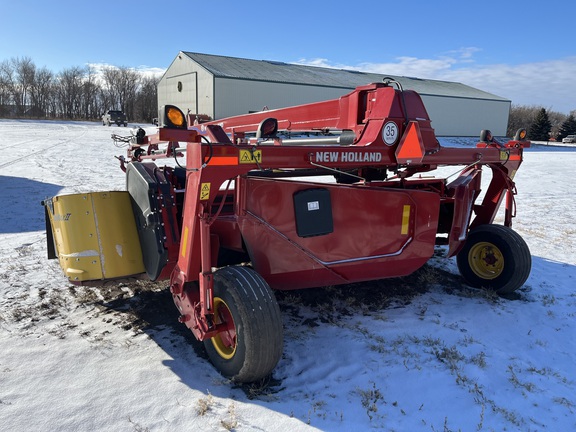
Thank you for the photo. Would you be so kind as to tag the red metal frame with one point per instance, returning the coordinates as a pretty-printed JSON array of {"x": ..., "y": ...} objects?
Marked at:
[{"x": 385, "y": 225}]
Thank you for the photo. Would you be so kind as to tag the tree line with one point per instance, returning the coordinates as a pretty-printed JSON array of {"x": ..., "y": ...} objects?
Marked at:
[
  {"x": 541, "y": 124},
  {"x": 75, "y": 93}
]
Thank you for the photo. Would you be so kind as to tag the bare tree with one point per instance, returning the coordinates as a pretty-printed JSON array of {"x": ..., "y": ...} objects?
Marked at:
[
  {"x": 41, "y": 91},
  {"x": 121, "y": 85},
  {"x": 91, "y": 92},
  {"x": 521, "y": 116},
  {"x": 130, "y": 83},
  {"x": 69, "y": 92},
  {"x": 5, "y": 91},
  {"x": 146, "y": 106},
  {"x": 556, "y": 119},
  {"x": 24, "y": 72},
  {"x": 10, "y": 85},
  {"x": 110, "y": 88}
]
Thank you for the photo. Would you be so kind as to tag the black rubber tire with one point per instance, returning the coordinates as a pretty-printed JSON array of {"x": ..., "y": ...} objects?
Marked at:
[
  {"x": 510, "y": 253},
  {"x": 257, "y": 321}
]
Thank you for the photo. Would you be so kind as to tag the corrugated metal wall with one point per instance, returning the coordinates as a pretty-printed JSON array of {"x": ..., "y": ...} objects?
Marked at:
[
  {"x": 243, "y": 96},
  {"x": 466, "y": 117},
  {"x": 189, "y": 86}
]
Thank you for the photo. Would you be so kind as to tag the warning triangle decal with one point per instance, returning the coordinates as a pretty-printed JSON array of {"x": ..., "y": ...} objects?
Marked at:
[{"x": 411, "y": 148}]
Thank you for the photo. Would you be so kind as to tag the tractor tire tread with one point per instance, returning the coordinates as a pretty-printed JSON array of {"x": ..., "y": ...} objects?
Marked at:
[
  {"x": 261, "y": 326},
  {"x": 512, "y": 245}
]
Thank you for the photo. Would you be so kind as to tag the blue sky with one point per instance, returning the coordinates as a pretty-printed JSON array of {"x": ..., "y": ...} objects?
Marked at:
[{"x": 518, "y": 50}]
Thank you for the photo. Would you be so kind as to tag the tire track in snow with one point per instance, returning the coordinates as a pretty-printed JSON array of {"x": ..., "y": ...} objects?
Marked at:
[
  {"x": 51, "y": 128},
  {"x": 43, "y": 150}
]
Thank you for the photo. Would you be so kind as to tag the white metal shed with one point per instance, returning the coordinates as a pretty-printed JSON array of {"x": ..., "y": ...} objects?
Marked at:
[{"x": 221, "y": 86}]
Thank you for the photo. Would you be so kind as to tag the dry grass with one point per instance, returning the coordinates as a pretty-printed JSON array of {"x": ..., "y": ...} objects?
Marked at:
[{"x": 205, "y": 404}]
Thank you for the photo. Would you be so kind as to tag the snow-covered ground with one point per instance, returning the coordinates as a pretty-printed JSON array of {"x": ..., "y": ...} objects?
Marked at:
[{"x": 424, "y": 353}]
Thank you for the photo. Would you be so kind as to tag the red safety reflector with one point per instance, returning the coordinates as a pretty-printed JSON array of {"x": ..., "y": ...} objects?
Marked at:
[
  {"x": 411, "y": 148},
  {"x": 224, "y": 160}
]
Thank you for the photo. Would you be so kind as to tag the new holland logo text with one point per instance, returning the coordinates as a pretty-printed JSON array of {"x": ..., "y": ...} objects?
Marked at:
[
  {"x": 62, "y": 217},
  {"x": 350, "y": 156}
]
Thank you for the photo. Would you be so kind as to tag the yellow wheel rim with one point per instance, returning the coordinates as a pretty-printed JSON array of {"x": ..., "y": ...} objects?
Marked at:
[
  {"x": 225, "y": 341},
  {"x": 486, "y": 260}
]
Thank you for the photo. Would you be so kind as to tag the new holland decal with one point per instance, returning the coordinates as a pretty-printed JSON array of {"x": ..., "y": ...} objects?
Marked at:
[{"x": 348, "y": 156}]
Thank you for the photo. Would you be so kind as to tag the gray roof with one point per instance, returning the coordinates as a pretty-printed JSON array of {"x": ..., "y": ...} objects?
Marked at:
[{"x": 274, "y": 71}]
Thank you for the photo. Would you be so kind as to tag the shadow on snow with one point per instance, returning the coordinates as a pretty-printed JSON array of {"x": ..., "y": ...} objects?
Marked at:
[{"x": 21, "y": 201}]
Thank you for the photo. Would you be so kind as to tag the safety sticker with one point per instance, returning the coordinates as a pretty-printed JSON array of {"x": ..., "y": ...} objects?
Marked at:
[
  {"x": 250, "y": 156},
  {"x": 204, "y": 191}
]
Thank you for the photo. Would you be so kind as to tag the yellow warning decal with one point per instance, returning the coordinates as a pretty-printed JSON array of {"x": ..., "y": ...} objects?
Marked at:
[
  {"x": 250, "y": 156},
  {"x": 405, "y": 219},
  {"x": 204, "y": 191}
]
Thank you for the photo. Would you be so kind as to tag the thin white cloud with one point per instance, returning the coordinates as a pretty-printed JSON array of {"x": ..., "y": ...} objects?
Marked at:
[
  {"x": 464, "y": 54},
  {"x": 151, "y": 71},
  {"x": 411, "y": 66},
  {"x": 549, "y": 84},
  {"x": 147, "y": 71}
]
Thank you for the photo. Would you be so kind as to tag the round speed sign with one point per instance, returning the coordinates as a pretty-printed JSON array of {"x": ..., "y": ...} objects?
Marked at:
[{"x": 390, "y": 133}]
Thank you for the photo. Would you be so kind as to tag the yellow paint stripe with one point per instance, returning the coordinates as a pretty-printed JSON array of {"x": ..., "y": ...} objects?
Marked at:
[
  {"x": 405, "y": 219},
  {"x": 184, "y": 245}
]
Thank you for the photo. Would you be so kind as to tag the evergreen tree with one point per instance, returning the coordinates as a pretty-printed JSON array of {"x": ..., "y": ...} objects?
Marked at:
[
  {"x": 568, "y": 127},
  {"x": 540, "y": 127}
]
